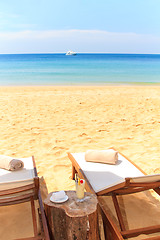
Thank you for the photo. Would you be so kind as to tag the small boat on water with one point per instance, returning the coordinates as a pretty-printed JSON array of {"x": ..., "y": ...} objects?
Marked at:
[{"x": 71, "y": 53}]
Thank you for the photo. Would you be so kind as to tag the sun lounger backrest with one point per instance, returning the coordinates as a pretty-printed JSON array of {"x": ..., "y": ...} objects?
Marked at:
[{"x": 146, "y": 179}]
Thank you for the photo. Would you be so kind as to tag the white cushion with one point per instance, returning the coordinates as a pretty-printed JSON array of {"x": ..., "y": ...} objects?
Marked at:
[
  {"x": 13, "y": 179},
  {"x": 102, "y": 176}
]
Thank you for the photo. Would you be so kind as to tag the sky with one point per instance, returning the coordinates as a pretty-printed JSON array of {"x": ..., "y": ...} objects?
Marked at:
[{"x": 84, "y": 26}]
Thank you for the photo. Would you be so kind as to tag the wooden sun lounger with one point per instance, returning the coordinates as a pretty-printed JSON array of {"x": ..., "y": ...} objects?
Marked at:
[
  {"x": 123, "y": 178},
  {"x": 23, "y": 186}
]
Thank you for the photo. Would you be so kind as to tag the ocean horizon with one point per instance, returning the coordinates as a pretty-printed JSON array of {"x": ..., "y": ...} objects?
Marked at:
[{"x": 81, "y": 69}]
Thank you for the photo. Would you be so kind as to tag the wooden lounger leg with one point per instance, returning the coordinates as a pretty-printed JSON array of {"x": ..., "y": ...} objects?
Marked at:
[
  {"x": 118, "y": 211},
  {"x": 111, "y": 230},
  {"x": 105, "y": 229},
  {"x": 34, "y": 217}
]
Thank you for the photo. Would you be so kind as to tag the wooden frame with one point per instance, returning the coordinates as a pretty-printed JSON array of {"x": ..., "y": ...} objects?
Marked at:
[
  {"x": 111, "y": 230},
  {"x": 28, "y": 193}
]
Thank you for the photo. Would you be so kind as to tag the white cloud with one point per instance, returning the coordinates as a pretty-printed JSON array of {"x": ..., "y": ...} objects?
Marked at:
[{"x": 78, "y": 40}]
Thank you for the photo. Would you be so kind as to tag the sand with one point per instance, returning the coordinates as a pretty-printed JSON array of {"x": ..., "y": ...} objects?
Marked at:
[{"x": 48, "y": 122}]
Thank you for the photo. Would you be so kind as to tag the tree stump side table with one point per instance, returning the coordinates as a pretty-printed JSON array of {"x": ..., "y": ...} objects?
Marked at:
[{"x": 73, "y": 220}]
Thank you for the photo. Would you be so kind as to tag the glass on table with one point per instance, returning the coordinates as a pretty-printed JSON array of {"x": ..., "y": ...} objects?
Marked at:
[{"x": 80, "y": 186}]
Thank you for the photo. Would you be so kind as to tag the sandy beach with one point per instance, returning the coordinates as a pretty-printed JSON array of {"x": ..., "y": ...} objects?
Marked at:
[{"x": 48, "y": 122}]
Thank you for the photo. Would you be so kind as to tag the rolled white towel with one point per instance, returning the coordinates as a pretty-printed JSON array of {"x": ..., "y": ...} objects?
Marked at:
[
  {"x": 109, "y": 156},
  {"x": 56, "y": 196},
  {"x": 10, "y": 163}
]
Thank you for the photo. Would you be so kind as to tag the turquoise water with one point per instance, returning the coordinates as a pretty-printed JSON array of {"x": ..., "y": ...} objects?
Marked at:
[{"x": 90, "y": 69}]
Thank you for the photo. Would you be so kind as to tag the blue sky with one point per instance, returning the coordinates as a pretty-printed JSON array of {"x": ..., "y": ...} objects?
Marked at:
[{"x": 51, "y": 26}]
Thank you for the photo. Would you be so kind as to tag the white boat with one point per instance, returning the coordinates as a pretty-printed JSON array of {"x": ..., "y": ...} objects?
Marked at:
[{"x": 71, "y": 53}]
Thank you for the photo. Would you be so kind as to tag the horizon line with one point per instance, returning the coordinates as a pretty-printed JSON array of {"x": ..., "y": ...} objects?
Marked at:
[{"x": 79, "y": 53}]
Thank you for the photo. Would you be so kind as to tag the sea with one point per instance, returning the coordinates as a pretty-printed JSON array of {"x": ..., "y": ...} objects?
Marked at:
[{"x": 81, "y": 69}]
